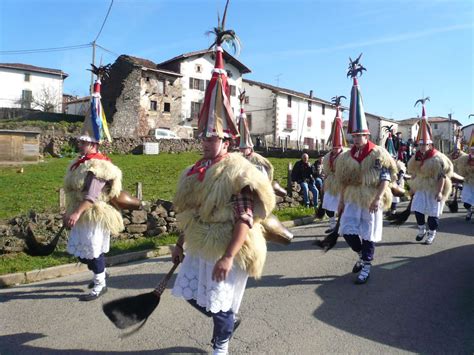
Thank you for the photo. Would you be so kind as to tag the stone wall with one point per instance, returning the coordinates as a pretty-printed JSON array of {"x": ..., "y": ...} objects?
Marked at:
[
  {"x": 121, "y": 99},
  {"x": 21, "y": 114},
  {"x": 54, "y": 145},
  {"x": 155, "y": 219}
]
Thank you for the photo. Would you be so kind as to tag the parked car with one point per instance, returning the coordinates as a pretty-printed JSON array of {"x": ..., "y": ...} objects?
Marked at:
[{"x": 163, "y": 133}]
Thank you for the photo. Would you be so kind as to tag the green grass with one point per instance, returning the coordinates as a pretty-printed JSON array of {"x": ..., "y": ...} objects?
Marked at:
[
  {"x": 290, "y": 213},
  {"x": 37, "y": 187},
  {"x": 10, "y": 263}
]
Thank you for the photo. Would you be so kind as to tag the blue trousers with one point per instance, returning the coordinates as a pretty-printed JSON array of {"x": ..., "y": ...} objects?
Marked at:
[
  {"x": 97, "y": 265},
  {"x": 223, "y": 324},
  {"x": 365, "y": 246},
  {"x": 433, "y": 222},
  {"x": 312, "y": 186}
]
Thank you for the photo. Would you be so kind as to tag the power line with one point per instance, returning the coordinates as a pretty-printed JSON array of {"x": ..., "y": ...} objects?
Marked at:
[
  {"x": 107, "y": 50},
  {"x": 105, "y": 19},
  {"x": 45, "y": 50}
]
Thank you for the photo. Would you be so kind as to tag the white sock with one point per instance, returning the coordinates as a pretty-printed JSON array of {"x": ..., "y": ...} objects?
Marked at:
[{"x": 99, "y": 282}]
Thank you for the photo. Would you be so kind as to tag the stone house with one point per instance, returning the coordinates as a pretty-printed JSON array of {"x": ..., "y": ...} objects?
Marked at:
[{"x": 139, "y": 96}]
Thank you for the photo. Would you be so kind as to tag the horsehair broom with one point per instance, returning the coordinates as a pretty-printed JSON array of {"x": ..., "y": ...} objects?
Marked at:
[
  {"x": 34, "y": 248},
  {"x": 401, "y": 217},
  {"x": 453, "y": 205},
  {"x": 127, "y": 311},
  {"x": 331, "y": 239}
]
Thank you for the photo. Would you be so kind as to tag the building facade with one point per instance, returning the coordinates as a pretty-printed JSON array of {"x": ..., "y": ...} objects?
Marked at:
[
  {"x": 443, "y": 129},
  {"x": 139, "y": 97},
  {"x": 287, "y": 118},
  {"x": 31, "y": 87}
]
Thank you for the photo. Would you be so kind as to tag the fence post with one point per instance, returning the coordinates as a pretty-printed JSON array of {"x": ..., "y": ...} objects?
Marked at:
[
  {"x": 289, "y": 184},
  {"x": 139, "y": 191},
  {"x": 62, "y": 200}
]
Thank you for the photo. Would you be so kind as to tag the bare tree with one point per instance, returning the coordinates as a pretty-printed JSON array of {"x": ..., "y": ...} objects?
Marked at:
[{"x": 47, "y": 99}]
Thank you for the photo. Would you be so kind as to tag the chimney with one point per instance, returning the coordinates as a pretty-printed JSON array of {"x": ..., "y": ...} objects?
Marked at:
[
  {"x": 311, "y": 94},
  {"x": 450, "y": 116}
]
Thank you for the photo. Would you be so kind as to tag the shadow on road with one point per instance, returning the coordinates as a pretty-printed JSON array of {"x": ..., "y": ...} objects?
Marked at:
[
  {"x": 282, "y": 281},
  {"x": 17, "y": 344},
  {"x": 422, "y": 305}
]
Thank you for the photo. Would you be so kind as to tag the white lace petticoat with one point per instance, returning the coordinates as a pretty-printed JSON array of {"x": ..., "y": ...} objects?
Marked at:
[
  {"x": 194, "y": 281},
  {"x": 88, "y": 241}
]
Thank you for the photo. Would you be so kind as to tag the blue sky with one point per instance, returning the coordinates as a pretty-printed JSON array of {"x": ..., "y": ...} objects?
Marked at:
[{"x": 411, "y": 48}]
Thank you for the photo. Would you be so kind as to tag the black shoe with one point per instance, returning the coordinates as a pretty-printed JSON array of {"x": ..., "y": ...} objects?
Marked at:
[
  {"x": 91, "y": 284},
  {"x": 92, "y": 296},
  {"x": 328, "y": 231},
  {"x": 237, "y": 321},
  {"x": 357, "y": 266}
]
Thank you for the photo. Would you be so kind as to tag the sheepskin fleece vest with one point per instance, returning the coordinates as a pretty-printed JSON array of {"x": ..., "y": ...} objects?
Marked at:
[
  {"x": 464, "y": 169},
  {"x": 257, "y": 159},
  {"x": 100, "y": 212},
  {"x": 401, "y": 166},
  {"x": 425, "y": 177},
  {"x": 205, "y": 213},
  {"x": 361, "y": 181},
  {"x": 330, "y": 183}
]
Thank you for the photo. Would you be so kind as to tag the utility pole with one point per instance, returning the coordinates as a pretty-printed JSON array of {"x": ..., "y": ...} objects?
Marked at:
[
  {"x": 93, "y": 62},
  {"x": 277, "y": 78}
]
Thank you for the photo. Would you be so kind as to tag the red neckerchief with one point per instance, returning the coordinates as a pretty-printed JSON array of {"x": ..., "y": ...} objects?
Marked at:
[
  {"x": 89, "y": 156},
  {"x": 202, "y": 165},
  {"x": 332, "y": 159},
  {"x": 361, "y": 154},
  {"x": 428, "y": 154}
]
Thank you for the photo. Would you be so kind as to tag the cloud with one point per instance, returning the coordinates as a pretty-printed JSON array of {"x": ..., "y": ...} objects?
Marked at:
[{"x": 377, "y": 41}]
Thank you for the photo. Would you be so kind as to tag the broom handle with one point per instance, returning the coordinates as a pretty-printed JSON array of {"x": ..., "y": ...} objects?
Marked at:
[{"x": 164, "y": 281}]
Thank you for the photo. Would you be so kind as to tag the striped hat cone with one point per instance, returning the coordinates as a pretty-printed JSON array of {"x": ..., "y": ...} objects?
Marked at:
[
  {"x": 245, "y": 139},
  {"x": 95, "y": 128},
  {"x": 425, "y": 135},
  {"x": 471, "y": 141},
  {"x": 390, "y": 146},
  {"x": 337, "y": 138},
  {"x": 357, "y": 121},
  {"x": 216, "y": 117}
]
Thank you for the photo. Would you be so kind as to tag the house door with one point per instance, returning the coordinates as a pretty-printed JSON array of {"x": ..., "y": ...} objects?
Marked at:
[{"x": 309, "y": 142}]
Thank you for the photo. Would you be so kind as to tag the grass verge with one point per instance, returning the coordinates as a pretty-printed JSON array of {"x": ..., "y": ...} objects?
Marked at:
[
  {"x": 291, "y": 213},
  {"x": 20, "y": 262}
]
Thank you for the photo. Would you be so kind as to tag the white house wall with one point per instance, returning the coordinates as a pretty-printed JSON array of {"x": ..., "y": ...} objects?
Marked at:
[
  {"x": 261, "y": 107},
  {"x": 12, "y": 83},
  {"x": 77, "y": 108},
  {"x": 299, "y": 113},
  {"x": 188, "y": 70}
]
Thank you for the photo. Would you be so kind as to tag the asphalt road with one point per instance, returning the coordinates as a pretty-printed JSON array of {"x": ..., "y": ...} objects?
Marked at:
[{"x": 419, "y": 299}]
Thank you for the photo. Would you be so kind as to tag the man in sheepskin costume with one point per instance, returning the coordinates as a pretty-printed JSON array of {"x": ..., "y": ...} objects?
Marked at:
[
  {"x": 338, "y": 143},
  {"x": 364, "y": 172},
  {"x": 401, "y": 168},
  {"x": 464, "y": 166},
  {"x": 91, "y": 182},
  {"x": 220, "y": 202},
  {"x": 431, "y": 173},
  {"x": 274, "y": 230}
]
